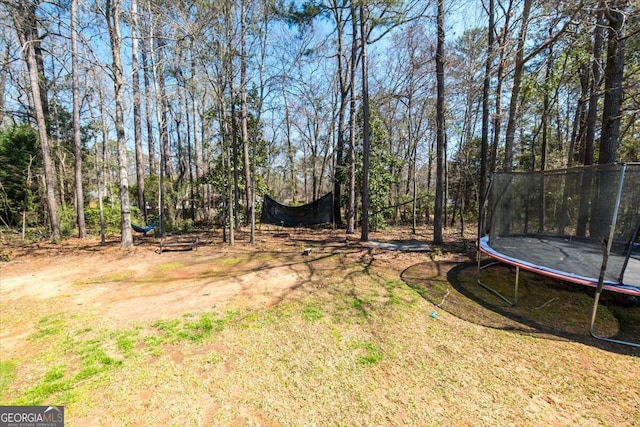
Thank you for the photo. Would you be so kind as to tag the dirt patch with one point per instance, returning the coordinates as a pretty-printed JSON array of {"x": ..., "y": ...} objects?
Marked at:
[{"x": 140, "y": 285}]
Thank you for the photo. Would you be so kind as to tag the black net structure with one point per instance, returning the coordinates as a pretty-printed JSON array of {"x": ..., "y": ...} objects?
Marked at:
[
  {"x": 560, "y": 219},
  {"x": 580, "y": 225},
  {"x": 316, "y": 213}
]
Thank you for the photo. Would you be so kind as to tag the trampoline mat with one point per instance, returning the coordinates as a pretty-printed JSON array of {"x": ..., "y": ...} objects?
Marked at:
[{"x": 579, "y": 259}]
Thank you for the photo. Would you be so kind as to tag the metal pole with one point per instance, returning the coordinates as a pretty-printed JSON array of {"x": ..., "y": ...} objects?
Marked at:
[{"x": 605, "y": 259}]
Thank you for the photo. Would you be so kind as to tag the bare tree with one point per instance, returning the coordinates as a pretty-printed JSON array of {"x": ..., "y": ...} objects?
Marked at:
[
  {"x": 364, "y": 31},
  {"x": 486, "y": 85},
  {"x": 5, "y": 61},
  {"x": 438, "y": 221},
  {"x": 137, "y": 119},
  {"x": 147, "y": 75},
  {"x": 340, "y": 14},
  {"x": 514, "y": 101},
  {"x": 587, "y": 146},
  {"x": 351, "y": 203},
  {"x": 24, "y": 18},
  {"x": 113, "y": 14},
  {"x": 405, "y": 108},
  {"x": 244, "y": 131},
  {"x": 500, "y": 73},
  {"x": 162, "y": 103},
  {"x": 77, "y": 142},
  {"x": 617, "y": 17}
]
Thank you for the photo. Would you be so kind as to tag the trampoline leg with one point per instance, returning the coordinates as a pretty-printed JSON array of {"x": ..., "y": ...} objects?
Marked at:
[
  {"x": 593, "y": 314},
  {"x": 593, "y": 321},
  {"x": 493, "y": 291},
  {"x": 605, "y": 259},
  {"x": 515, "y": 293}
]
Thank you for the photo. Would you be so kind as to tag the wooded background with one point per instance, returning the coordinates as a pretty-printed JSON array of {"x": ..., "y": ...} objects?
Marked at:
[{"x": 400, "y": 108}]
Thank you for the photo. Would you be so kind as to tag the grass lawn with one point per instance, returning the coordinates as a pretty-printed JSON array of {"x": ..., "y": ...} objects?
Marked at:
[{"x": 262, "y": 335}]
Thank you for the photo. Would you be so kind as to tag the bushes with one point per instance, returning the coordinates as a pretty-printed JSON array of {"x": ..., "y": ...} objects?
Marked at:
[
  {"x": 18, "y": 167},
  {"x": 92, "y": 219},
  {"x": 111, "y": 218}
]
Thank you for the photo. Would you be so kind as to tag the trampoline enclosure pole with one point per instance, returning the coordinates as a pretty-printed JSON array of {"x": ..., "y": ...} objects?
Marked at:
[
  {"x": 605, "y": 259},
  {"x": 603, "y": 269}
]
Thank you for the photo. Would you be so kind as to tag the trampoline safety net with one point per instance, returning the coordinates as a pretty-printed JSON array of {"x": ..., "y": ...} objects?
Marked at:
[
  {"x": 318, "y": 212},
  {"x": 575, "y": 205}
]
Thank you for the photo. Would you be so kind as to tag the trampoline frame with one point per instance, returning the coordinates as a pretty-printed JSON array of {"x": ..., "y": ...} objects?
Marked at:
[{"x": 600, "y": 284}]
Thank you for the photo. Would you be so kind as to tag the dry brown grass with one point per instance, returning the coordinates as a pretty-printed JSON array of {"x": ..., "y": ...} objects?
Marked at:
[{"x": 264, "y": 336}]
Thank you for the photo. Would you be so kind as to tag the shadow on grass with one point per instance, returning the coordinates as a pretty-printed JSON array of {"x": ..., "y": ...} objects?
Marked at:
[{"x": 546, "y": 307}]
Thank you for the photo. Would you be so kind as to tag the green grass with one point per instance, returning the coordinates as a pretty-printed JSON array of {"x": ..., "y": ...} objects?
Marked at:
[
  {"x": 372, "y": 353},
  {"x": 119, "y": 277},
  {"x": 190, "y": 328},
  {"x": 7, "y": 374},
  {"x": 71, "y": 357},
  {"x": 53, "y": 382},
  {"x": 260, "y": 319},
  {"x": 391, "y": 286},
  {"x": 126, "y": 342},
  {"x": 94, "y": 357},
  {"x": 232, "y": 261},
  {"x": 90, "y": 356},
  {"x": 115, "y": 277},
  {"x": 48, "y": 326},
  {"x": 171, "y": 266},
  {"x": 311, "y": 313}
]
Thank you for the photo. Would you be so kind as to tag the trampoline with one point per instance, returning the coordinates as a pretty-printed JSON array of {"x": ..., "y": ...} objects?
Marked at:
[{"x": 580, "y": 225}]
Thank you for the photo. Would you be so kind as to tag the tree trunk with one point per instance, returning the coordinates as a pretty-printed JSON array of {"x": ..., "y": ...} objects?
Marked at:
[
  {"x": 197, "y": 145},
  {"x": 351, "y": 203},
  {"x": 162, "y": 105},
  {"x": 190, "y": 157},
  {"x": 486, "y": 86},
  {"x": 575, "y": 151},
  {"x": 23, "y": 13},
  {"x": 594, "y": 94},
  {"x": 546, "y": 110},
  {"x": 293, "y": 189},
  {"x": 613, "y": 75},
  {"x": 364, "y": 234},
  {"x": 77, "y": 142},
  {"x": 24, "y": 19},
  {"x": 514, "y": 102},
  {"x": 587, "y": 148},
  {"x": 146, "y": 71},
  {"x": 101, "y": 165},
  {"x": 227, "y": 140},
  {"x": 611, "y": 114},
  {"x": 248, "y": 198},
  {"x": 438, "y": 219},
  {"x": 234, "y": 140},
  {"x": 4, "y": 72},
  {"x": 113, "y": 13},
  {"x": 137, "y": 120},
  {"x": 343, "y": 91}
]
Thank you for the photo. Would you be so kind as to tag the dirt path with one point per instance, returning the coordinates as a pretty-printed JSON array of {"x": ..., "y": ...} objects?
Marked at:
[
  {"x": 139, "y": 284},
  {"x": 128, "y": 286}
]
